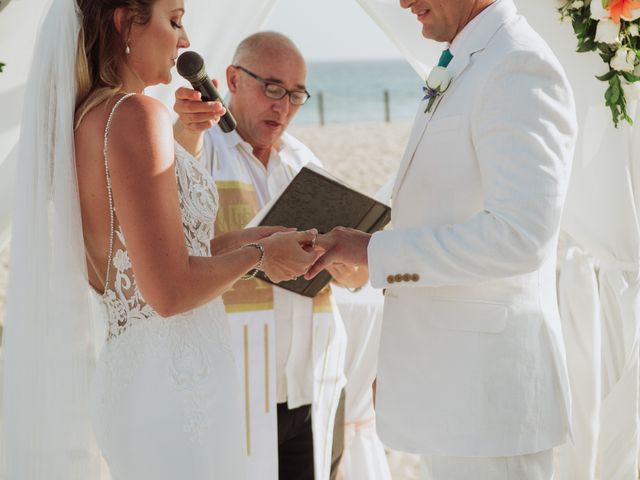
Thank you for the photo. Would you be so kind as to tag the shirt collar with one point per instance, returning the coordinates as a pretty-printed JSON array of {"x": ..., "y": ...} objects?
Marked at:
[
  {"x": 233, "y": 140},
  {"x": 477, "y": 33}
]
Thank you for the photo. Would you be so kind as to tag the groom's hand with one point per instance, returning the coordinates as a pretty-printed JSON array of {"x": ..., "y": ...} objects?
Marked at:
[{"x": 341, "y": 245}]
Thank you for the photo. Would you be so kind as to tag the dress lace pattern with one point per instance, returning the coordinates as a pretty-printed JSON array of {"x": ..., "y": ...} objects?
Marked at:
[{"x": 198, "y": 199}]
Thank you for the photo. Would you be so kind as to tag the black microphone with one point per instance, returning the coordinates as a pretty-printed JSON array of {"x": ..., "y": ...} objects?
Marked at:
[{"x": 191, "y": 66}]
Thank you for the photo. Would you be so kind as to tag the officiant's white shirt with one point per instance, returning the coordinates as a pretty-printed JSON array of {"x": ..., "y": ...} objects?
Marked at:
[
  {"x": 472, "y": 360},
  {"x": 294, "y": 361}
]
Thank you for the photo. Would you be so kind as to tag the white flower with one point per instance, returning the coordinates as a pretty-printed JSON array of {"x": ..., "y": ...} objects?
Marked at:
[
  {"x": 439, "y": 79},
  {"x": 636, "y": 71},
  {"x": 121, "y": 261},
  {"x": 624, "y": 60},
  {"x": 607, "y": 30},
  {"x": 577, "y": 5},
  {"x": 631, "y": 90},
  {"x": 633, "y": 30},
  {"x": 598, "y": 12}
]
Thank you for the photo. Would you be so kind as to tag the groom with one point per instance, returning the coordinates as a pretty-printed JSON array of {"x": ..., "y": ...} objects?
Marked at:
[{"x": 472, "y": 370}]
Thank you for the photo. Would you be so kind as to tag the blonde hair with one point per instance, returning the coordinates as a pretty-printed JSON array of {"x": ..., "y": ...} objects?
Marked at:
[{"x": 100, "y": 49}]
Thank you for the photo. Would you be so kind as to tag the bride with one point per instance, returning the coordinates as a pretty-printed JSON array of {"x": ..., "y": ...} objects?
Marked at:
[{"x": 108, "y": 200}]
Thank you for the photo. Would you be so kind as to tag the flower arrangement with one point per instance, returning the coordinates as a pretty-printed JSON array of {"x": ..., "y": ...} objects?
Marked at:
[
  {"x": 437, "y": 83},
  {"x": 611, "y": 28}
]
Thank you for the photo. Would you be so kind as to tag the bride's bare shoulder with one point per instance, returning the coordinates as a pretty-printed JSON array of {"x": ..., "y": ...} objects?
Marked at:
[
  {"x": 140, "y": 127},
  {"x": 134, "y": 112}
]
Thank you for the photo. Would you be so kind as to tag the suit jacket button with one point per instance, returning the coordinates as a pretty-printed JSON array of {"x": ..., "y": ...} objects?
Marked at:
[
  {"x": 391, "y": 279},
  {"x": 406, "y": 277},
  {"x": 398, "y": 278},
  {"x": 415, "y": 277}
]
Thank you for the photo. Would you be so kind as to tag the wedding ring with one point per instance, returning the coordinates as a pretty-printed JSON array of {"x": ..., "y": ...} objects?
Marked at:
[{"x": 313, "y": 242}]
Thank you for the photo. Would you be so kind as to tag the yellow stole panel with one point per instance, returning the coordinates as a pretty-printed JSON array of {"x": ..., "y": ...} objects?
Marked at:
[{"x": 238, "y": 205}]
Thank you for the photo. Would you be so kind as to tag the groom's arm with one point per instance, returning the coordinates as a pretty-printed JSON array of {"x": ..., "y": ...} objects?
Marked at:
[{"x": 524, "y": 130}]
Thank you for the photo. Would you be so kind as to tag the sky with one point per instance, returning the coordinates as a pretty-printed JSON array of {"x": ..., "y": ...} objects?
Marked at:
[{"x": 331, "y": 30}]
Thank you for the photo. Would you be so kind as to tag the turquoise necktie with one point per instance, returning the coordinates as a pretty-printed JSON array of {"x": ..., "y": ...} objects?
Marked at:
[{"x": 445, "y": 58}]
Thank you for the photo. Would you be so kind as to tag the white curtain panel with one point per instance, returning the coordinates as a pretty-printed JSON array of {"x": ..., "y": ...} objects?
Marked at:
[
  {"x": 401, "y": 27},
  {"x": 364, "y": 456},
  {"x": 600, "y": 304},
  {"x": 19, "y": 22}
]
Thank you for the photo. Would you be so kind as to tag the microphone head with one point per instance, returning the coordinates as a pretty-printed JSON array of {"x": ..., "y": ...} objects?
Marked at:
[{"x": 190, "y": 65}]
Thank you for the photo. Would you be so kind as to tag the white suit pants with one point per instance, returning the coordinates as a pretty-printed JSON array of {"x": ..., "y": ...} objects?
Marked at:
[{"x": 536, "y": 466}]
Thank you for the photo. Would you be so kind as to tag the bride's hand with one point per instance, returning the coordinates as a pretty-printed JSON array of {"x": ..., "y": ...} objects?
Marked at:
[
  {"x": 288, "y": 255},
  {"x": 233, "y": 240}
]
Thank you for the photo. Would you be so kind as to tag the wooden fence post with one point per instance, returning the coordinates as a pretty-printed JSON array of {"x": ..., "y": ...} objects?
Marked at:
[
  {"x": 321, "y": 108},
  {"x": 387, "y": 109}
]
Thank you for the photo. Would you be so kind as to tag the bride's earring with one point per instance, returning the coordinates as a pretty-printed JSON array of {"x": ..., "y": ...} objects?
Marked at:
[{"x": 127, "y": 50}]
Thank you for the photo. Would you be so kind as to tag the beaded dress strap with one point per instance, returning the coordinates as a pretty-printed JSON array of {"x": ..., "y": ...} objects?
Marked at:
[{"x": 112, "y": 212}]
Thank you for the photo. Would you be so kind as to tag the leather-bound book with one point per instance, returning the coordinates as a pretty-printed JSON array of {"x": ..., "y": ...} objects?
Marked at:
[{"x": 315, "y": 199}]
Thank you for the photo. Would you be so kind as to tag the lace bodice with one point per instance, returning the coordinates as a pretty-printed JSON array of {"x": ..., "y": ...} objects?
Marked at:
[{"x": 198, "y": 199}]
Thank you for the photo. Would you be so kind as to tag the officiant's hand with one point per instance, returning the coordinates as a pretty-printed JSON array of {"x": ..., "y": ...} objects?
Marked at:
[
  {"x": 194, "y": 114},
  {"x": 288, "y": 255},
  {"x": 348, "y": 276},
  {"x": 342, "y": 246}
]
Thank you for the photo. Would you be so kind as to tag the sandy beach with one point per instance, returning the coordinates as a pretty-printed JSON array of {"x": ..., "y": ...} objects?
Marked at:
[{"x": 365, "y": 155}]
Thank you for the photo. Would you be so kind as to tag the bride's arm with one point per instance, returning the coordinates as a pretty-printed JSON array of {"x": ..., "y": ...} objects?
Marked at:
[
  {"x": 145, "y": 192},
  {"x": 235, "y": 239}
]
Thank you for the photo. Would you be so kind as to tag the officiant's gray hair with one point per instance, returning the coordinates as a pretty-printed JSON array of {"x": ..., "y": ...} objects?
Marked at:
[{"x": 263, "y": 45}]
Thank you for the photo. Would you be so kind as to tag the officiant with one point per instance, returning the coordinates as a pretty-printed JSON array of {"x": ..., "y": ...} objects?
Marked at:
[{"x": 289, "y": 349}]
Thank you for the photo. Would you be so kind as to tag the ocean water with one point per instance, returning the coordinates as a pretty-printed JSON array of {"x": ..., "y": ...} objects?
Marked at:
[{"x": 354, "y": 91}]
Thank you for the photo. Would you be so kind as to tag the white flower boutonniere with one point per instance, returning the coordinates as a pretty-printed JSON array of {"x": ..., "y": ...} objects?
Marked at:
[{"x": 437, "y": 83}]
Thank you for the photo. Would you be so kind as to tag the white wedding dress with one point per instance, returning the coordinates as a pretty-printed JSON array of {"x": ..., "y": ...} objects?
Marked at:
[{"x": 166, "y": 399}]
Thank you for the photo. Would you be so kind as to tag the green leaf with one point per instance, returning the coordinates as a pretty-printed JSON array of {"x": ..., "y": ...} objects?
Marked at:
[
  {"x": 615, "y": 94},
  {"x": 607, "y": 76},
  {"x": 630, "y": 77},
  {"x": 606, "y": 57},
  {"x": 2, "y": 65},
  {"x": 586, "y": 47}
]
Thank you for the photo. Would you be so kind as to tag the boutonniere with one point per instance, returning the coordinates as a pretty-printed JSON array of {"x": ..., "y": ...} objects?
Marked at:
[{"x": 437, "y": 83}]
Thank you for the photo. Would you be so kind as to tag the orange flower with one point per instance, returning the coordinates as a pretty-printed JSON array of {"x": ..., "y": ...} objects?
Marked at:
[{"x": 622, "y": 8}]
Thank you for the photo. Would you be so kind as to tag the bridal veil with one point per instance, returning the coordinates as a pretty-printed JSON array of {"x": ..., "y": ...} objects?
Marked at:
[{"x": 48, "y": 348}]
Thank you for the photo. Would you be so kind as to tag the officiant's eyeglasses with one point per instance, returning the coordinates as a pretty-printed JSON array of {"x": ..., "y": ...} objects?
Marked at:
[{"x": 277, "y": 92}]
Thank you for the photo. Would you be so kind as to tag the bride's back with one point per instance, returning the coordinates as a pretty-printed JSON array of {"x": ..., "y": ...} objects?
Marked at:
[{"x": 92, "y": 185}]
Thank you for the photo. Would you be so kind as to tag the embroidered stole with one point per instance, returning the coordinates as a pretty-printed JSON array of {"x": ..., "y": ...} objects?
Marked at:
[{"x": 250, "y": 305}]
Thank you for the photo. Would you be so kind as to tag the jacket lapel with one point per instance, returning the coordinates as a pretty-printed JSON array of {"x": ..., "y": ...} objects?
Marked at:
[
  {"x": 501, "y": 12},
  {"x": 457, "y": 67}
]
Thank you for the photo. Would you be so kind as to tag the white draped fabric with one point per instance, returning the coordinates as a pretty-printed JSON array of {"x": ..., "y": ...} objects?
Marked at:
[
  {"x": 405, "y": 32},
  {"x": 599, "y": 290},
  {"x": 364, "y": 455},
  {"x": 16, "y": 46}
]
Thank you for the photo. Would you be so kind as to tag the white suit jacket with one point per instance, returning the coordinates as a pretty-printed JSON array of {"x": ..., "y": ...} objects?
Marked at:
[{"x": 472, "y": 358}]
